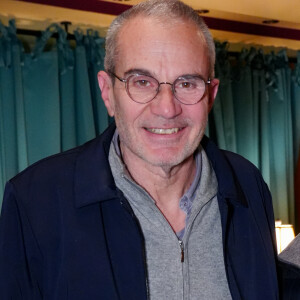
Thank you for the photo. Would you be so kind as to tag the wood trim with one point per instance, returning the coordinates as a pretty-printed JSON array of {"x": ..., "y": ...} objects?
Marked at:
[{"x": 114, "y": 8}]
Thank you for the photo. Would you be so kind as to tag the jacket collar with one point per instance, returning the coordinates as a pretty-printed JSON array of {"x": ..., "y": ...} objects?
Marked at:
[
  {"x": 94, "y": 182},
  {"x": 228, "y": 184}
]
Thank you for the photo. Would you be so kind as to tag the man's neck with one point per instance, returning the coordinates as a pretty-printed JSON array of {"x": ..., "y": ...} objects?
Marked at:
[{"x": 166, "y": 185}]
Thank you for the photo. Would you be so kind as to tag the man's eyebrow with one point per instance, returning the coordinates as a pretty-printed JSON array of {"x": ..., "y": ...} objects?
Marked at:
[
  {"x": 148, "y": 73},
  {"x": 137, "y": 71},
  {"x": 192, "y": 75}
]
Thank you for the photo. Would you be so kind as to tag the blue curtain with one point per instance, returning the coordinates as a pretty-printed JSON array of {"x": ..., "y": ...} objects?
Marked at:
[
  {"x": 50, "y": 102},
  {"x": 257, "y": 115}
]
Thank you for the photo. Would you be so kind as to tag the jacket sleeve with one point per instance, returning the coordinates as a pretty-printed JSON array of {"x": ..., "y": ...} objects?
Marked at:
[{"x": 17, "y": 264}]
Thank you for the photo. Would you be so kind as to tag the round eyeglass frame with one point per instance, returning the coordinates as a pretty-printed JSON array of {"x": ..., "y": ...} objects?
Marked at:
[{"x": 126, "y": 80}]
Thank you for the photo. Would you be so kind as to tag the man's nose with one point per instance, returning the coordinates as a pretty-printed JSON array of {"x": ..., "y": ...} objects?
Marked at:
[{"x": 165, "y": 103}]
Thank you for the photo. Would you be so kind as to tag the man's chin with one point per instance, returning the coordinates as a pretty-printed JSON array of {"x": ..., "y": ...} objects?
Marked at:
[{"x": 165, "y": 160}]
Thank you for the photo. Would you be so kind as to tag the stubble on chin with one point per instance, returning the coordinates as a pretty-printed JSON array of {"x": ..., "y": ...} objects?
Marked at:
[
  {"x": 161, "y": 160},
  {"x": 132, "y": 149}
]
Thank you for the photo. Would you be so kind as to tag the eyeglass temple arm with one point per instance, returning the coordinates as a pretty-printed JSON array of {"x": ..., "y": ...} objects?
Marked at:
[{"x": 113, "y": 74}]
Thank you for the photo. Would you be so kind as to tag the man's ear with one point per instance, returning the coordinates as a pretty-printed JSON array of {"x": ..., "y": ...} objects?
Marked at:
[
  {"x": 213, "y": 90},
  {"x": 106, "y": 87}
]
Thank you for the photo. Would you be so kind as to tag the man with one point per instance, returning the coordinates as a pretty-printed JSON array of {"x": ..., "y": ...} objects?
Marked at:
[{"x": 144, "y": 211}]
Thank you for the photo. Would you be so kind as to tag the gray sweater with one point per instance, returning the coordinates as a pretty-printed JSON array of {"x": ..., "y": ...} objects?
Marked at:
[{"x": 200, "y": 272}]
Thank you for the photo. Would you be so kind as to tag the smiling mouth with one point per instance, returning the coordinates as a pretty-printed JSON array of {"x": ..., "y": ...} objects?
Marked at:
[{"x": 163, "y": 130}]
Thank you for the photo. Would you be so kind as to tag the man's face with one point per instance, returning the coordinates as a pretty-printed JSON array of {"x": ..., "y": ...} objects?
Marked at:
[{"x": 163, "y": 132}]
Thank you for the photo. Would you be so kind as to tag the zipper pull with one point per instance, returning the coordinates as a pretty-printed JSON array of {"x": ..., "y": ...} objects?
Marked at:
[{"x": 182, "y": 251}]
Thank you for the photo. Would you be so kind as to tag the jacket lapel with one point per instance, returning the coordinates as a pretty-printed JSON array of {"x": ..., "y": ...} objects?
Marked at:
[
  {"x": 93, "y": 182},
  {"x": 230, "y": 195},
  {"x": 126, "y": 249},
  {"x": 247, "y": 225}
]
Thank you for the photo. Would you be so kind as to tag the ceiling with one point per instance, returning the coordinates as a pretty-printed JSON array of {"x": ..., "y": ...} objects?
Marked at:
[{"x": 236, "y": 21}]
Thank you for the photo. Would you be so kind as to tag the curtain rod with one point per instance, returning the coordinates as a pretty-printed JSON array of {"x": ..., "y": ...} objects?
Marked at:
[{"x": 37, "y": 33}]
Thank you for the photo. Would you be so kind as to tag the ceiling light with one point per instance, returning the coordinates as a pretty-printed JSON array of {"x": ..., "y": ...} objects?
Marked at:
[
  {"x": 202, "y": 11},
  {"x": 270, "y": 21}
]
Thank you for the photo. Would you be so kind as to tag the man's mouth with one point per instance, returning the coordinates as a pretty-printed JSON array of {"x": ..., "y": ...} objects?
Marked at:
[{"x": 163, "y": 130}]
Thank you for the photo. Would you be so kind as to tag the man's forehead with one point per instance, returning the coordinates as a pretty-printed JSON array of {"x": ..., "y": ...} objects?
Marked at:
[
  {"x": 143, "y": 29},
  {"x": 150, "y": 23},
  {"x": 147, "y": 42}
]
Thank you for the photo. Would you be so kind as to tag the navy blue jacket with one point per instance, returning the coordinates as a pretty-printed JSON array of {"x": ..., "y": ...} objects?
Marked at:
[{"x": 67, "y": 232}]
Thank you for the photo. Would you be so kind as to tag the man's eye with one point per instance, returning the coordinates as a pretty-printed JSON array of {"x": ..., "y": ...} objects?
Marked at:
[
  {"x": 186, "y": 85},
  {"x": 142, "y": 83}
]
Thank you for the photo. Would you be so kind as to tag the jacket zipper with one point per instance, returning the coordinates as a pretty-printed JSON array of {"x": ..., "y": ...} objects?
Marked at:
[{"x": 182, "y": 251}]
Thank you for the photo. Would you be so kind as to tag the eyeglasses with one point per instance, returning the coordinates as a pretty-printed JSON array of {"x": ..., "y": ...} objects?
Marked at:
[{"x": 187, "y": 89}]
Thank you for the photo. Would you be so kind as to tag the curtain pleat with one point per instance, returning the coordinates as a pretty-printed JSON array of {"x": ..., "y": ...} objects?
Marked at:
[
  {"x": 255, "y": 115},
  {"x": 42, "y": 108},
  {"x": 13, "y": 136},
  {"x": 223, "y": 112}
]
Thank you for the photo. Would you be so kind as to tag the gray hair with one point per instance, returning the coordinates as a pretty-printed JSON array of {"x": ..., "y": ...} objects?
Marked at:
[{"x": 172, "y": 10}]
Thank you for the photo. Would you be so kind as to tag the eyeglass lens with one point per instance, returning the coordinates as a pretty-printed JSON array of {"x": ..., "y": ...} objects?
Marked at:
[{"x": 188, "y": 89}]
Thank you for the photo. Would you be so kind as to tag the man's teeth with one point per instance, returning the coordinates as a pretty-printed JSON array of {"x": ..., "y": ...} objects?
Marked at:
[{"x": 163, "y": 130}]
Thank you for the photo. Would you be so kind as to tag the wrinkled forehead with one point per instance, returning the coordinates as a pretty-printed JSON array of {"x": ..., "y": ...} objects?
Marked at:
[{"x": 146, "y": 38}]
